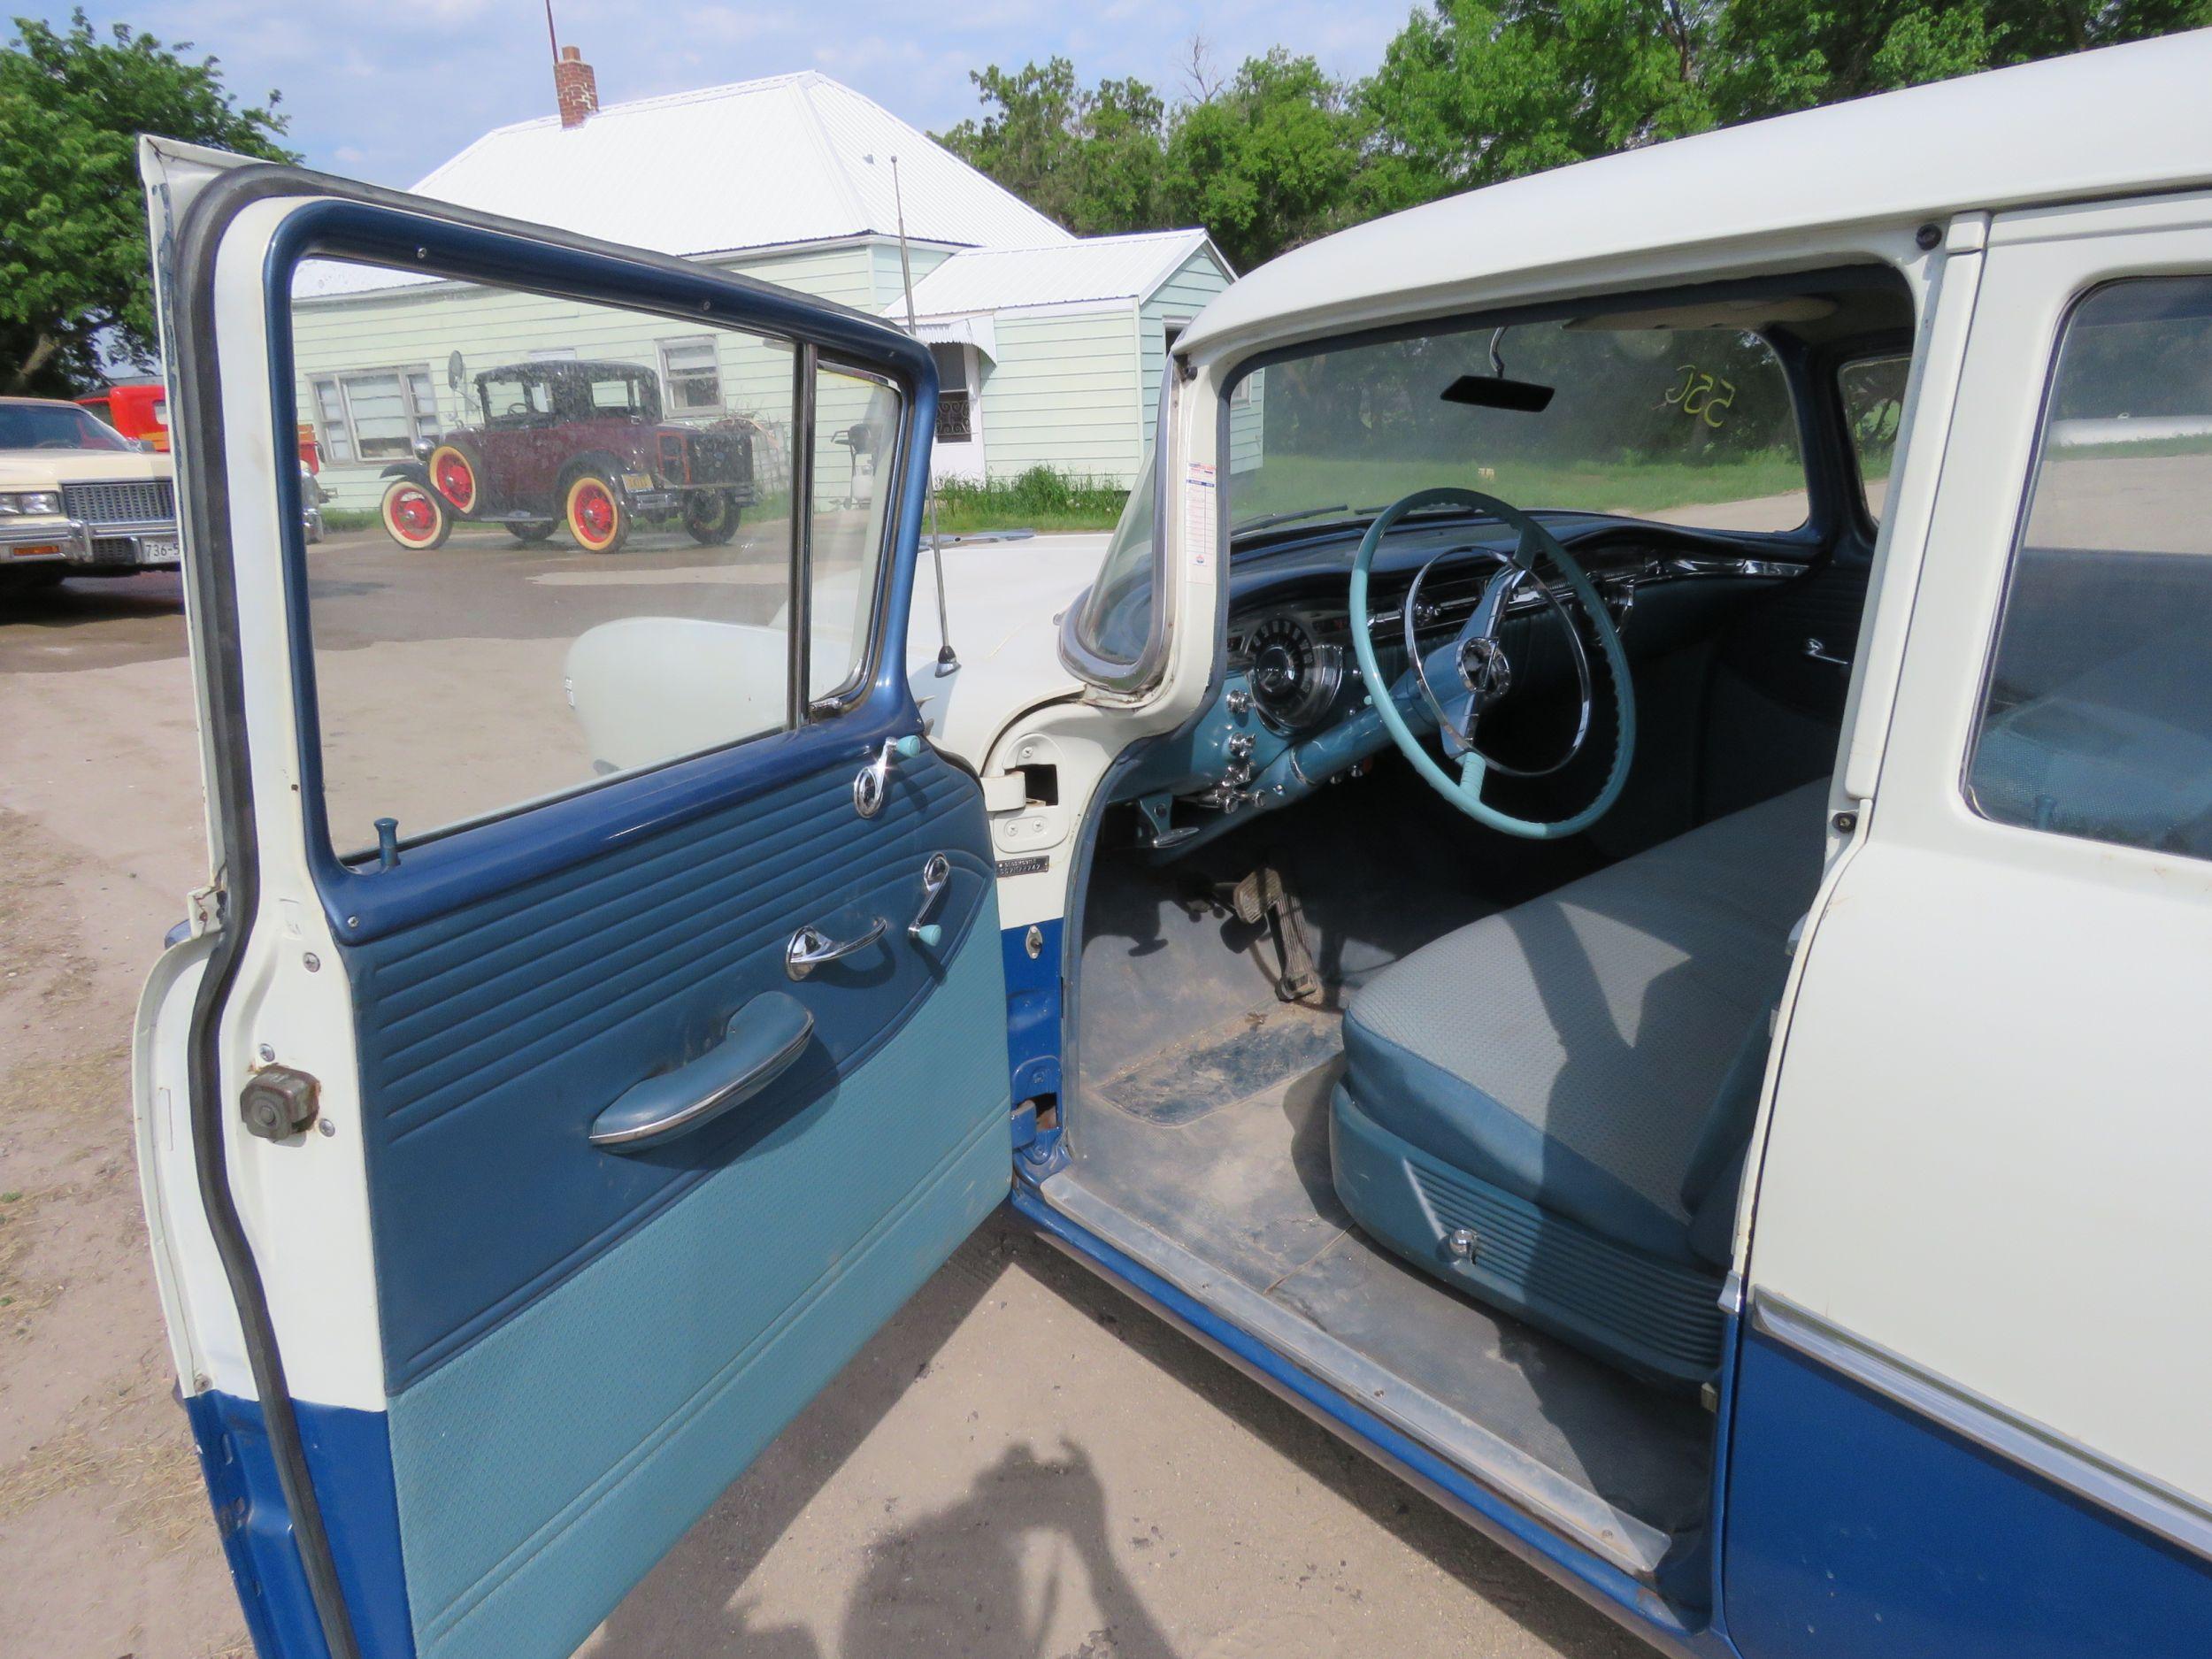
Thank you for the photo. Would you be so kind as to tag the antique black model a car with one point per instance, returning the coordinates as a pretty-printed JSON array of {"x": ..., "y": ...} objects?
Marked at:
[{"x": 573, "y": 444}]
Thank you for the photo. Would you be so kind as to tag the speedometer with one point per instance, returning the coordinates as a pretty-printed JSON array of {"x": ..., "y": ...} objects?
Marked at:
[{"x": 1294, "y": 677}]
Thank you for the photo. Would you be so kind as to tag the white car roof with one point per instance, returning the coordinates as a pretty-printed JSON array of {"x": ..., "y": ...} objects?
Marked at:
[{"x": 2123, "y": 119}]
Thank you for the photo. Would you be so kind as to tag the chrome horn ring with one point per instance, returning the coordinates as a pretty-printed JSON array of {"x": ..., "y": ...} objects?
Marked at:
[{"x": 1484, "y": 669}]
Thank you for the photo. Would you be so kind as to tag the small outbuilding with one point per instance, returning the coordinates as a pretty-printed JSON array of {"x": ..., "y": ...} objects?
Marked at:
[{"x": 1052, "y": 356}]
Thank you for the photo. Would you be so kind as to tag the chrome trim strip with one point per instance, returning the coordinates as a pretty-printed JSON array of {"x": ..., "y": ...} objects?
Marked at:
[{"x": 2151, "y": 1504}]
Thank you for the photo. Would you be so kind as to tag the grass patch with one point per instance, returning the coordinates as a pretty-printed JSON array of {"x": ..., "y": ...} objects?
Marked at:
[
  {"x": 1288, "y": 482},
  {"x": 345, "y": 519},
  {"x": 1040, "y": 499}
]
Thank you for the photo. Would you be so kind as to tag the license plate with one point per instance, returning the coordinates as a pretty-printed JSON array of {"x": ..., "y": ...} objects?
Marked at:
[
  {"x": 153, "y": 552},
  {"x": 636, "y": 480}
]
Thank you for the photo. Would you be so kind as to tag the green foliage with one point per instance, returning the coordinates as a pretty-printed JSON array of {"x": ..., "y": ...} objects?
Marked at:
[
  {"x": 1042, "y": 498},
  {"x": 1471, "y": 92},
  {"x": 1270, "y": 160},
  {"x": 1090, "y": 159},
  {"x": 1266, "y": 161},
  {"x": 74, "y": 273}
]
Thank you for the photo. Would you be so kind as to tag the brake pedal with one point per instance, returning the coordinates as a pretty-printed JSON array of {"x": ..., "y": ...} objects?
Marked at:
[{"x": 1261, "y": 897}]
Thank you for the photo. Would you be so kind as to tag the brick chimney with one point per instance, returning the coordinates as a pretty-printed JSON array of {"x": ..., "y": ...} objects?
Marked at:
[{"x": 575, "y": 89}]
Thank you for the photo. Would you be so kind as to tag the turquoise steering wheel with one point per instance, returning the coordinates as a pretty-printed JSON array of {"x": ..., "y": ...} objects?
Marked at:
[{"x": 1455, "y": 682}]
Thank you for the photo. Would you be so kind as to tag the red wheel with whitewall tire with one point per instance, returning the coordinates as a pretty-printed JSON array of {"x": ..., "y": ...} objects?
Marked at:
[
  {"x": 454, "y": 476},
  {"x": 596, "y": 515},
  {"x": 415, "y": 517}
]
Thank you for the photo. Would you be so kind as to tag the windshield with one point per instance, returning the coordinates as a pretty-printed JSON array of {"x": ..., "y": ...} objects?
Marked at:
[
  {"x": 1116, "y": 621},
  {"x": 1688, "y": 426},
  {"x": 55, "y": 427}
]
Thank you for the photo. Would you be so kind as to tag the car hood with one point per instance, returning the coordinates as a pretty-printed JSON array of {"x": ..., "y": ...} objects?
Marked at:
[
  {"x": 33, "y": 469},
  {"x": 1004, "y": 600}
]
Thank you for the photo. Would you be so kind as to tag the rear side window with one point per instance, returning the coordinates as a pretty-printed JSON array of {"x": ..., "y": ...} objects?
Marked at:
[{"x": 2097, "y": 718}]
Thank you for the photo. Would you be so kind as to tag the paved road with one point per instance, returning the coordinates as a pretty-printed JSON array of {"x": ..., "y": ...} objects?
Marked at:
[{"x": 1023, "y": 1463}]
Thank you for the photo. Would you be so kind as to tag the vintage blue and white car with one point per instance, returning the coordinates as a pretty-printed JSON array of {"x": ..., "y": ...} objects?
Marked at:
[{"x": 1610, "y": 889}]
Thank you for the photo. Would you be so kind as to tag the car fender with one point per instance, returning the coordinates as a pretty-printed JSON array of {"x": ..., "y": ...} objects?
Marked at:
[
  {"x": 601, "y": 461},
  {"x": 413, "y": 472}
]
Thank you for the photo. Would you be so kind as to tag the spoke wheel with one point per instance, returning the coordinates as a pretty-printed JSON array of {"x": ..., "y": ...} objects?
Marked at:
[
  {"x": 414, "y": 516},
  {"x": 710, "y": 516},
  {"x": 596, "y": 517},
  {"x": 454, "y": 478}
]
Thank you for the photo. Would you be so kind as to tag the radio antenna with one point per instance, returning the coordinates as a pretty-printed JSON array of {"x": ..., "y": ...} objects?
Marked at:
[{"x": 947, "y": 661}]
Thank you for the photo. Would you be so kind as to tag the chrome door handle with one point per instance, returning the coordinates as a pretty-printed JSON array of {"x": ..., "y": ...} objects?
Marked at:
[
  {"x": 759, "y": 1043},
  {"x": 810, "y": 948},
  {"x": 1817, "y": 650},
  {"x": 936, "y": 876}
]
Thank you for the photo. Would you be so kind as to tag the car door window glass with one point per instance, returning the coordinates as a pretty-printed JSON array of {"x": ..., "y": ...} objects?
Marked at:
[
  {"x": 1873, "y": 393},
  {"x": 2098, "y": 718},
  {"x": 531, "y": 581},
  {"x": 856, "y": 424}
]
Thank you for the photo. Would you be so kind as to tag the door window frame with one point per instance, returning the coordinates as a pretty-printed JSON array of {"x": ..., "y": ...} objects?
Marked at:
[{"x": 445, "y": 866}]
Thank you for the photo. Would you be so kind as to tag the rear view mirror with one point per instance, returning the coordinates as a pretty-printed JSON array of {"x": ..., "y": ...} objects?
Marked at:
[{"x": 1495, "y": 391}]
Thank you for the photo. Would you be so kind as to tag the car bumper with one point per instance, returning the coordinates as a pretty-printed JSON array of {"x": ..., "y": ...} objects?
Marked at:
[{"x": 151, "y": 544}]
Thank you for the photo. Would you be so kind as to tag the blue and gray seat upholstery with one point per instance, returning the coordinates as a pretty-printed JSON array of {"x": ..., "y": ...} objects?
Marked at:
[{"x": 1572, "y": 1082}]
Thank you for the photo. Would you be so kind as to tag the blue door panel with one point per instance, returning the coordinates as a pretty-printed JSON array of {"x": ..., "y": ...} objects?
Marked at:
[
  {"x": 349, "y": 1457},
  {"x": 542, "y": 1470},
  {"x": 1858, "y": 1529},
  {"x": 492, "y": 1036}
]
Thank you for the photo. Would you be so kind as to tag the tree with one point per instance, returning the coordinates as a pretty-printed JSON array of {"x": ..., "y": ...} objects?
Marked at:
[
  {"x": 1474, "y": 91},
  {"x": 1272, "y": 159},
  {"x": 1090, "y": 159},
  {"x": 75, "y": 277}
]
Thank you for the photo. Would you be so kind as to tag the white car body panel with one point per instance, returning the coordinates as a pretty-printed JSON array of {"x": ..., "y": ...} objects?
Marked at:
[{"x": 1987, "y": 1148}]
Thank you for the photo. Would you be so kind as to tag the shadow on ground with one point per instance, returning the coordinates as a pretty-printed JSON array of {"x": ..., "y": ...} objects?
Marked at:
[{"x": 1032, "y": 1541}]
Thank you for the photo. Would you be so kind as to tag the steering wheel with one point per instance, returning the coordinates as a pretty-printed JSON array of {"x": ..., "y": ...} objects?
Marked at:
[{"x": 1457, "y": 682}]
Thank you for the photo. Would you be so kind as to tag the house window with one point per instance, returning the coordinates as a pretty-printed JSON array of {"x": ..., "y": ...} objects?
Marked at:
[
  {"x": 955, "y": 417},
  {"x": 693, "y": 375},
  {"x": 374, "y": 414}
]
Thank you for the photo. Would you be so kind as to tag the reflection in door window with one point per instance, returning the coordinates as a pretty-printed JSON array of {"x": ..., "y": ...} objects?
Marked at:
[
  {"x": 535, "y": 579},
  {"x": 2098, "y": 721},
  {"x": 855, "y": 423}
]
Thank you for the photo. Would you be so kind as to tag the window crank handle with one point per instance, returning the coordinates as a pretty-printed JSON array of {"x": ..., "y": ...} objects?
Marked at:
[{"x": 936, "y": 876}]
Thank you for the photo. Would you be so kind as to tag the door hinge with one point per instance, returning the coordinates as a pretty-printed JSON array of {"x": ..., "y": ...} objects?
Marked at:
[{"x": 278, "y": 1102}]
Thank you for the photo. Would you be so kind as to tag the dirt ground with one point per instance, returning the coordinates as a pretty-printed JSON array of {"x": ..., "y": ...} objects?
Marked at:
[{"x": 1023, "y": 1463}]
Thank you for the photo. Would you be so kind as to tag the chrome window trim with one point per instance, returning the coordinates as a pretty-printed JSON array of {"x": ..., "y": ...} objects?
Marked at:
[
  {"x": 857, "y": 684},
  {"x": 1076, "y": 656},
  {"x": 2151, "y": 1504}
]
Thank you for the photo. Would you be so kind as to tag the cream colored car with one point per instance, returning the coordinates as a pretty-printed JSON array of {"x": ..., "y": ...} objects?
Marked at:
[{"x": 78, "y": 498}]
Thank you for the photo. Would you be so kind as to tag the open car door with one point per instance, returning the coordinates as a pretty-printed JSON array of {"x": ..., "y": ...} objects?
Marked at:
[{"x": 593, "y": 1027}]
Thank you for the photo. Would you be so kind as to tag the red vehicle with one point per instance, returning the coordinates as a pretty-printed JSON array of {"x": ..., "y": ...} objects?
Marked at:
[
  {"x": 575, "y": 444},
  {"x": 141, "y": 409}
]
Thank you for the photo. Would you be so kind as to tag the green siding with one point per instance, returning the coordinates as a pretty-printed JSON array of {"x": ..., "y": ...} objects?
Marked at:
[
  {"x": 890, "y": 286},
  {"x": 1183, "y": 295},
  {"x": 413, "y": 328},
  {"x": 1061, "y": 394}
]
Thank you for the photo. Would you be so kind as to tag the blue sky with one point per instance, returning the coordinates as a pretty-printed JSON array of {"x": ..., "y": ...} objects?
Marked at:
[{"x": 386, "y": 89}]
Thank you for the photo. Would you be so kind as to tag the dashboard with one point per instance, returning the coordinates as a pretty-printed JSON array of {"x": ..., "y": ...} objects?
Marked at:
[{"x": 1292, "y": 713}]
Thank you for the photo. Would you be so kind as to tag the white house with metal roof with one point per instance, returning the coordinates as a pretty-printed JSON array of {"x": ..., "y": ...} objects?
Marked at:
[
  {"x": 1051, "y": 356},
  {"x": 1052, "y": 344}
]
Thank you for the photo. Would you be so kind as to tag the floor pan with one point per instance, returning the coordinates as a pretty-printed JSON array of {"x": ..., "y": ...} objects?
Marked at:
[{"x": 1242, "y": 1185}]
